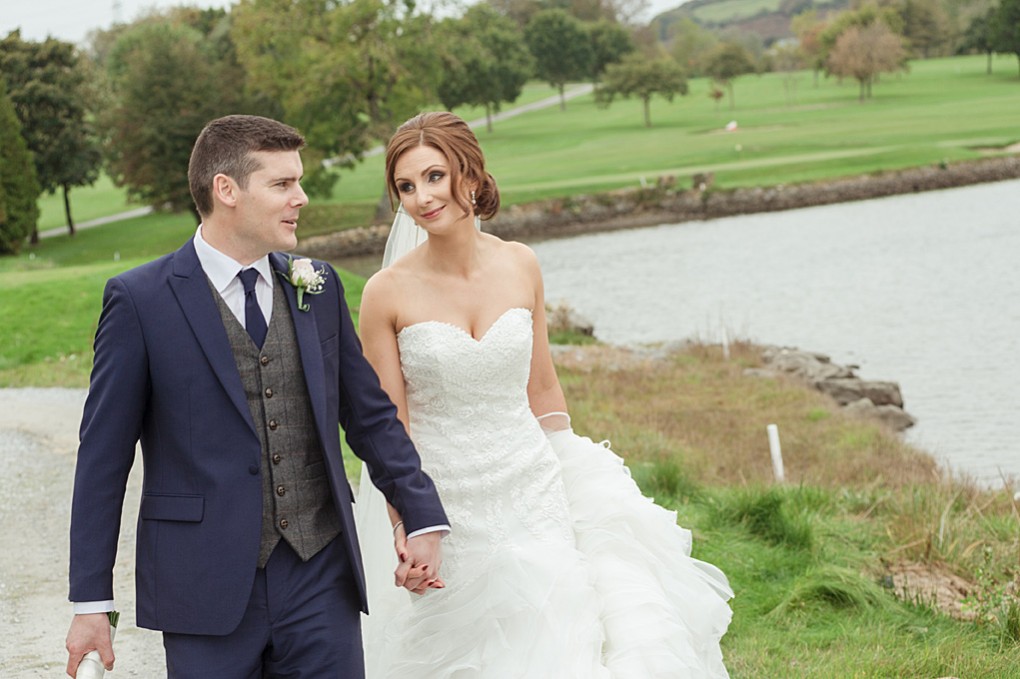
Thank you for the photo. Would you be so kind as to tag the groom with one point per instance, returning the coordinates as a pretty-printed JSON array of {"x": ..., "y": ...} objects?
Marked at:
[{"x": 247, "y": 557}]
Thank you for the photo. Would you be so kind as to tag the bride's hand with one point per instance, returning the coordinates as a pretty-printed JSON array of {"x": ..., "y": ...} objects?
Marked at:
[{"x": 420, "y": 558}]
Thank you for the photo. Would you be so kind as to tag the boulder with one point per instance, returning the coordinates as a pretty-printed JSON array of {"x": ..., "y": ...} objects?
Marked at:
[{"x": 875, "y": 399}]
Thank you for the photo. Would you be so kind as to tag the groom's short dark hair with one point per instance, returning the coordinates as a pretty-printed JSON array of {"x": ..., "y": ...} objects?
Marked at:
[{"x": 225, "y": 147}]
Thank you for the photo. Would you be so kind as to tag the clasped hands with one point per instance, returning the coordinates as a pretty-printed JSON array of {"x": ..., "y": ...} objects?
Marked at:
[{"x": 419, "y": 560}]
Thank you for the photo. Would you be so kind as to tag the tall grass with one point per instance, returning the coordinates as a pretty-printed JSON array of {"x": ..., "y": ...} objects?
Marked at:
[{"x": 813, "y": 562}]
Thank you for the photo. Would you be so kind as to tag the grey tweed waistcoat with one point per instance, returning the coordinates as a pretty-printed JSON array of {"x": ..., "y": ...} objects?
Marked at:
[{"x": 297, "y": 504}]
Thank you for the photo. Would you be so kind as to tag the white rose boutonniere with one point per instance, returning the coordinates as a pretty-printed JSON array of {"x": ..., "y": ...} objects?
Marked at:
[{"x": 306, "y": 279}]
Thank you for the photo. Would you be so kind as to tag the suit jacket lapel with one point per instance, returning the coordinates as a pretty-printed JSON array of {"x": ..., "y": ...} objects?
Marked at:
[
  {"x": 308, "y": 342},
  {"x": 191, "y": 287}
]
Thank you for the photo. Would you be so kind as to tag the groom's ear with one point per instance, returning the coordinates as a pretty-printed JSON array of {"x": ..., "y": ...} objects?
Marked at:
[{"x": 224, "y": 190}]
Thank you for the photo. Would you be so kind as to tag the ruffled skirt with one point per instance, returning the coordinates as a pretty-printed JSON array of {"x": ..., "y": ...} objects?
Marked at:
[{"x": 624, "y": 601}]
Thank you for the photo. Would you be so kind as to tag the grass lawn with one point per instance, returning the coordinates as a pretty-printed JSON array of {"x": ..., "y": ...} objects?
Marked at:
[
  {"x": 943, "y": 110},
  {"x": 52, "y": 295},
  {"x": 87, "y": 202},
  {"x": 788, "y": 131}
]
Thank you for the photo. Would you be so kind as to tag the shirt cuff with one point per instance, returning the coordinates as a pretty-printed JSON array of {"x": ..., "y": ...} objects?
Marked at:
[
  {"x": 430, "y": 529},
  {"x": 86, "y": 607}
]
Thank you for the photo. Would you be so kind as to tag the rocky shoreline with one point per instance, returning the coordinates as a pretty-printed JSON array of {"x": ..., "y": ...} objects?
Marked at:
[
  {"x": 873, "y": 399},
  {"x": 665, "y": 202}
]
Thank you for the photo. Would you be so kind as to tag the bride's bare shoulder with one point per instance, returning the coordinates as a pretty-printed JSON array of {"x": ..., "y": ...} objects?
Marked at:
[
  {"x": 524, "y": 259},
  {"x": 381, "y": 288},
  {"x": 519, "y": 253}
]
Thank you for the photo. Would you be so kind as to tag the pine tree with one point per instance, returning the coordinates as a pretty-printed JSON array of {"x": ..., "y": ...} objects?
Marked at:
[{"x": 19, "y": 190}]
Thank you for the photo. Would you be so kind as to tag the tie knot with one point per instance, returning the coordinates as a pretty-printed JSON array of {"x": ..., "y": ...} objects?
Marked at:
[{"x": 248, "y": 278}]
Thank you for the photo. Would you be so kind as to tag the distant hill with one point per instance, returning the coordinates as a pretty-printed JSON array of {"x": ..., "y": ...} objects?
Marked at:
[{"x": 769, "y": 19}]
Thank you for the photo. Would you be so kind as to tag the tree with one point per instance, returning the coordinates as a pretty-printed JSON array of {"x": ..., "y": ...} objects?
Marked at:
[
  {"x": 166, "y": 86},
  {"x": 788, "y": 60},
  {"x": 980, "y": 36},
  {"x": 926, "y": 27},
  {"x": 560, "y": 46},
  {"x": 345, "y": 73},
  {"x": 863, "y": 53},
  {"x": 689, "y": 43},
  {"x": 487, "y": 63},
  {"x": 861, "y": 18},
  {"x": 1006, "y": 30},
  {"x": 19, "y": 190},
  {"x": 726, "y": 62},
  {"x": 609, "y": 43},
  {"x": 638, "y": 77},
  {"x": 47, "y": 84},
  {"x": 809, "y": 29}
]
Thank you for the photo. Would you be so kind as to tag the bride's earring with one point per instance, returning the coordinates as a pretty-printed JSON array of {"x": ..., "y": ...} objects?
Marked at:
[{"x": 473, "y": 201}]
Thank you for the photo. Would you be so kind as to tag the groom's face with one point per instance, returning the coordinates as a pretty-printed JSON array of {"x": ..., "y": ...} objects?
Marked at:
[{"x": 267, "y": 209}]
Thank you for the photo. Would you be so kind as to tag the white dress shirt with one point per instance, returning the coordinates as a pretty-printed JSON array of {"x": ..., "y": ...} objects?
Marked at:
[{"x": 222, "y": 271}]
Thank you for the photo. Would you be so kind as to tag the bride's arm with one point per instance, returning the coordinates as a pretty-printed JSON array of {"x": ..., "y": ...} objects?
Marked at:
[
  {"x": 544, "y": 392},
  {"x": 377, "y": 327}
]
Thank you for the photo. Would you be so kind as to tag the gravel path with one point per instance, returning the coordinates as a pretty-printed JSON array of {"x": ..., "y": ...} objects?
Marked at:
[{"x": 38, "y": 439}]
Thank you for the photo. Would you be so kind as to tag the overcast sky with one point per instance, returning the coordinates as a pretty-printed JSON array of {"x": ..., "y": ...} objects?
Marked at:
[{"x": 72, "y": 19}]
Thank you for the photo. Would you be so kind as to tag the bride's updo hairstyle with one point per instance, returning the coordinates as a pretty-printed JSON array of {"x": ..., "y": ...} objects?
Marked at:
[{"x": 452, "y": 137}]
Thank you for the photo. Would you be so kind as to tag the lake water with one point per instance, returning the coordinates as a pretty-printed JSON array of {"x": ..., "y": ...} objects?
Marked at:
[{"x": 922, "y": 289}]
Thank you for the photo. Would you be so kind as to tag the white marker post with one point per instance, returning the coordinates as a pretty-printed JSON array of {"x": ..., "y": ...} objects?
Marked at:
[{"x": 776, "y": 451}]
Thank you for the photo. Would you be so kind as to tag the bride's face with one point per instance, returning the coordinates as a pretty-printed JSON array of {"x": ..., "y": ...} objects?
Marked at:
[{"x": 422, "y": 178}]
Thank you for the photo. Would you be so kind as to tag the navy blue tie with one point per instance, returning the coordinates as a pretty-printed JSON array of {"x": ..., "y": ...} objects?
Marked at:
[{"x": 254, "y": 321}]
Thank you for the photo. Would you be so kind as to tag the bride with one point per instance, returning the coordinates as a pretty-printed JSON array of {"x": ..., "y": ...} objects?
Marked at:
[{"x": 556, "y": 567}]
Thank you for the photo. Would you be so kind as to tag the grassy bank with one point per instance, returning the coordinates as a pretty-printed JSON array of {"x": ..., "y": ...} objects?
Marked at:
[{"x": 816, "y": 564}]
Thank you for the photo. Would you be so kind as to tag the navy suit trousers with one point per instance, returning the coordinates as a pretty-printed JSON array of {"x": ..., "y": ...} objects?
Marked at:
[{"x": 302, "y": 622}]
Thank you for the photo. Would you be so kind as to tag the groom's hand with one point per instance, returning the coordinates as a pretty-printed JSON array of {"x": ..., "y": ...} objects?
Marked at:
[
  {"x": 89, "y": 632},
  {"x": 420, "y": 569}
]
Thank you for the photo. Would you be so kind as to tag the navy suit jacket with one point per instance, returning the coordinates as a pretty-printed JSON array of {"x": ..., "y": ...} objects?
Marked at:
[{"x": 165, "y": 375}]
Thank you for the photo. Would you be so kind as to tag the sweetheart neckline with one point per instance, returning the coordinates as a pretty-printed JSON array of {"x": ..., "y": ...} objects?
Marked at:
[{"x": 462, "y": 330}]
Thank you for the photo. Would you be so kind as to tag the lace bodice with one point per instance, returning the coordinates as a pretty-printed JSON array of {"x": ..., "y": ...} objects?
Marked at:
[{"x": 467, "y": 403}]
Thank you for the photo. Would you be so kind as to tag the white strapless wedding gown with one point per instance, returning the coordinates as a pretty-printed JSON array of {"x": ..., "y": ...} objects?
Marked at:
[{"x": 556, "y": 567}]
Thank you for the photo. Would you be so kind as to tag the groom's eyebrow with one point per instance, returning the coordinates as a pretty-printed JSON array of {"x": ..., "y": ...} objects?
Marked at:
[{"x": 288, "y": 178}]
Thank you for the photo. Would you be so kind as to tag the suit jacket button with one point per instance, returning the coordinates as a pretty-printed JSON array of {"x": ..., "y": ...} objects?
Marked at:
[
  {"x": 284, "y": 523},
  {"x": 281, "y": 491},
  {"x": 273, "y": 424},
  {"x": 263, "y": 359},
  {"x": 253, "y": 469},
  {"x": 277, "y": 458},
  {"x": 269, "y": 393}
]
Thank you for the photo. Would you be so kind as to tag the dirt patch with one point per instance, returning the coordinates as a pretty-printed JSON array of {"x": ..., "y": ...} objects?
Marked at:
[{"x": 932, "y": 584}]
